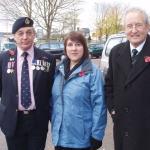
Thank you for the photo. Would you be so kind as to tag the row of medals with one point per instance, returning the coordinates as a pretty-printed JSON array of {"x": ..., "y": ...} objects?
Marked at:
[{"x": 36, "y": 65}]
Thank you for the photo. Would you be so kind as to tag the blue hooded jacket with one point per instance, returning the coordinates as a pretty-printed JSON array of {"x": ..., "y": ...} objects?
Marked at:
[{"x": 78, "y": 107}]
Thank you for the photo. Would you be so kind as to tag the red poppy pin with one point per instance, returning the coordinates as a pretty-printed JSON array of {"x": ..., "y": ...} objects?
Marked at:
[
  {"x": 82, "y": 73},
  {"x": 147, "y": 58},
  {"x": 11, "y": 52}
]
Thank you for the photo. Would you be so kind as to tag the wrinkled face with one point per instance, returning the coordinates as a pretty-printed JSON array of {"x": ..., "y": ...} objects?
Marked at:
[
  {"x": 74, "y": 51},
  {"x": 24, "y": 38},
  {"x": 135, "y": 28}
]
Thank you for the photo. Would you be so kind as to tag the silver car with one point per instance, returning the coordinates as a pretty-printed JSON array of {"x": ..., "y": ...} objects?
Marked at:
[{"x": 110, "y": 43}]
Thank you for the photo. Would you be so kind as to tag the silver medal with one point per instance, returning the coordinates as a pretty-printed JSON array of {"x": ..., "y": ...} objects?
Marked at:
[
  {"x": 33, "y": 67},
  {"x": 42, "y": 68},
  {"x": 8, "y": 70},
  {"x": 37, "y": 68}
]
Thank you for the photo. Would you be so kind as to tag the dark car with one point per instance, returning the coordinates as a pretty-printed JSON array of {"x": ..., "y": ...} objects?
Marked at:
[
  {"x": 55, "y": 48},
  {"x": 95, "y": 49}
]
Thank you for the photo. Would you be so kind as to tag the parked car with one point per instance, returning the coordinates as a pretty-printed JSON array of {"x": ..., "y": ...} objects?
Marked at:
[
  {"x": 8, "y": 45},
  {"x": 110, "y": 43},
  {"x": 53, "y": 47},
  {"x": 95, "y": 49}
]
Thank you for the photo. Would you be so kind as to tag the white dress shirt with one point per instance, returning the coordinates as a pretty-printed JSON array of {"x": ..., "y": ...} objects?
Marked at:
[{"x": 139, "y": 48}]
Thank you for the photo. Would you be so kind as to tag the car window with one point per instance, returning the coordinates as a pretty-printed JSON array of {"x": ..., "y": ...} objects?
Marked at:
[
  {"x": 44, "y": 46},
  {"x": 49, "y": 46},
  {"x": 54, "y": 46},
  {"x": 61, "y": 45},
  {"x": 9, "y": 46},
  {"x": 112, "y": 42}
]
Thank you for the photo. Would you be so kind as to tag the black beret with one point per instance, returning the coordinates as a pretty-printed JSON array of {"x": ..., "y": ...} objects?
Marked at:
[{"x": 22, "y": 22}]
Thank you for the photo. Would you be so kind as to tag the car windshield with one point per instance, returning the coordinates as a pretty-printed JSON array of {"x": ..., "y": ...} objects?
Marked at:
[
  {"x": 61, "y": 45},
  {"x": 49, "y": 46}
]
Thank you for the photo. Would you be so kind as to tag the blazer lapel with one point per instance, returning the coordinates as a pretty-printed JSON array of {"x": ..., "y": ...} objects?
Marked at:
[
  {"x": 14, "y": 74},
  {"x": 140, "y": 65}
]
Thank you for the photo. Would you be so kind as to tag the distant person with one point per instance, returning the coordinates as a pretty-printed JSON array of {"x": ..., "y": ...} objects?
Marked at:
[
  {"x": 128, "y": 84},
  {"x": 26, "y": 78},
  {"x": 78, "y": 111}
]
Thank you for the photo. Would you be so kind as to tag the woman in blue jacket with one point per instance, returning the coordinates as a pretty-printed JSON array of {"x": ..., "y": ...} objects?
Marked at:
[{"x": 78, "y": 107}]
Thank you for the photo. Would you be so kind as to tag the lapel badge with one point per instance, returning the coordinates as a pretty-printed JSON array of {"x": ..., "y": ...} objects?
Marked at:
[
  {"x": 10, "y": 67},
  {"x": 12, "y": 59}
]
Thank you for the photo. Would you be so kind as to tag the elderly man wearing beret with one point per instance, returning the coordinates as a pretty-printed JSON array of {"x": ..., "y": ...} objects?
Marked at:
[{"x": 26, "y": 78}]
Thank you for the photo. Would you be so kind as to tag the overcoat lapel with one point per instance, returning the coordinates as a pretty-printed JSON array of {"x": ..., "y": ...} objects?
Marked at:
[
  {"x": 140, "y": 65},
  {"x": 124, "y": 59},
  {"x": 14, "y": 75}
]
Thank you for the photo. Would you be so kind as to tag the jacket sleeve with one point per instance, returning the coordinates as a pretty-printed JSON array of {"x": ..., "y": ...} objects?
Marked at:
[{"x": 98, "y": 105}]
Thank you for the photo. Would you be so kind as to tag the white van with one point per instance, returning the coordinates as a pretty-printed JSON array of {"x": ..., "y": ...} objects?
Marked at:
[{"x": 110, "y": 43}]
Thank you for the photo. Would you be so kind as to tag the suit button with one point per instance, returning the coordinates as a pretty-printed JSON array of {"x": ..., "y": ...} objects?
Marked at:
[
  {"x": 126, "y": 109},
  {"x": 126, "y": 133}
]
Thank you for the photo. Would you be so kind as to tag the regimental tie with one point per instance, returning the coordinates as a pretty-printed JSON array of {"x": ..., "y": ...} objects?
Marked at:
[
  {"x": 134, "y": 55},
  {"x": 25, "y": 83}
]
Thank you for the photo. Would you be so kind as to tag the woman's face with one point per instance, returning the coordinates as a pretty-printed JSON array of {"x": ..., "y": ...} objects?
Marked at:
[{"x": 74, "y": 51}]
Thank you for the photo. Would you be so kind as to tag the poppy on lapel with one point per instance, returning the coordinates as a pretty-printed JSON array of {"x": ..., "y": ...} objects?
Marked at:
[{"x": 147, "y": 58}]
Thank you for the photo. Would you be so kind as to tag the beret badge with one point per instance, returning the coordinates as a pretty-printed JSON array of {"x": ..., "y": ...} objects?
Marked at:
[{"x": 27, "y": 21}]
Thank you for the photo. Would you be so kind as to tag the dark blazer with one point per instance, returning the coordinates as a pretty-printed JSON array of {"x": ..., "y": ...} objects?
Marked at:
[
  {"x": 42, "y": 84},
  {"x": 128, "y": 94}
]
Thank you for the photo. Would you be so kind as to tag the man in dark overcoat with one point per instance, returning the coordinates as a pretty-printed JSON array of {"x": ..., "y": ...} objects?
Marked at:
[
  {"x": 26, "y": 78},
  {"x": 128, "y": 84}
]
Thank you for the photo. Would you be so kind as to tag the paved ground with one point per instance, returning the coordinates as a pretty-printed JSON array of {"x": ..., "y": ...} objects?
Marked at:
[{"x": 107, "y": 142}]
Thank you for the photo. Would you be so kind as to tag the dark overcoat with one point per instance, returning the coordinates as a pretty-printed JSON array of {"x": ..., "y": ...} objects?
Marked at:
[
  {"x": 42, "y": 83},
  {"x": 128, "y": 97}
]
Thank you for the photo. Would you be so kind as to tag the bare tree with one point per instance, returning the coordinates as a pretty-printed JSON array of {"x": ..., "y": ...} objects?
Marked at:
[
  {"x": 69, "y": 20},
  {"x": 109, "y": 18},
  {"x": 44, "y": 12}
]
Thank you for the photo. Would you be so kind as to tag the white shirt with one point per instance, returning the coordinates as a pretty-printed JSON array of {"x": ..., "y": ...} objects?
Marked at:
[
  {"x": 139, "y": 48},
  {"x": 20, "y": 59}
]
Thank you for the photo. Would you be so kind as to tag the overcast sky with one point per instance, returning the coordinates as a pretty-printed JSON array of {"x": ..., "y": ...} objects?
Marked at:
[{"x": 88, "y": 16}]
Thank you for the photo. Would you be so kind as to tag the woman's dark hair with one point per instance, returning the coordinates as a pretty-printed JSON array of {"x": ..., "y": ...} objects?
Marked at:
[{"x": 77, "y": 37}]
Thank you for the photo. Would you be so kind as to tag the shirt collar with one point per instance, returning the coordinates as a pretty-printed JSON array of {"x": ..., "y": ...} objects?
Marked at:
[
  {"x": 29, "y": 51},
  {"x": 139, "y": 48}
]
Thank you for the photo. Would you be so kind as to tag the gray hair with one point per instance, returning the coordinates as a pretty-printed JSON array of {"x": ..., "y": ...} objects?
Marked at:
[{"x": 138, "y": 10}]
